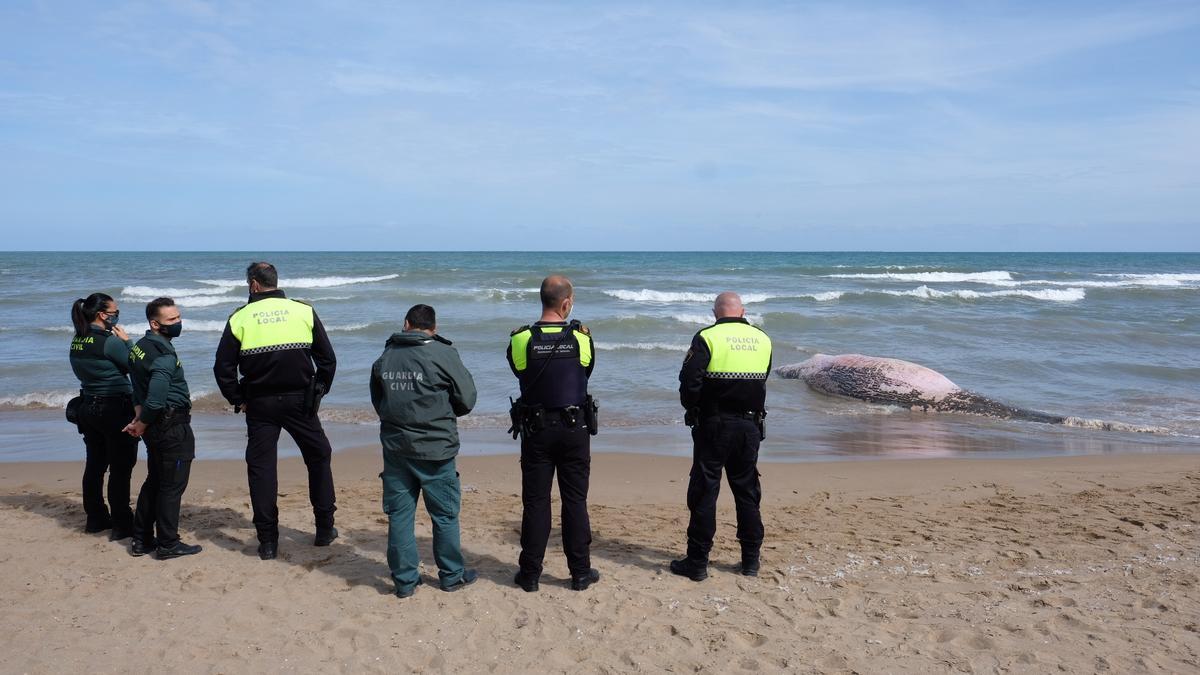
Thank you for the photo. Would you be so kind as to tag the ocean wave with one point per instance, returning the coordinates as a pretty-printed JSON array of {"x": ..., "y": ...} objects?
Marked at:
[
  {"x": 1172, "y": 276},
  {"x": 707, "y": 319},
  {"x": 305, "y": 282},
  {"x": 932, "y": 277},
  {"x": 151, "y": 292},
  {"x": 206, "y": 326},
  {"x": 191, "y": 300},
  {"x": 641, "y": 346},
  {"x": 37, "y": 400},
  {"x": 649, "y": 295},
  {"x": 1049, "y": 294}
]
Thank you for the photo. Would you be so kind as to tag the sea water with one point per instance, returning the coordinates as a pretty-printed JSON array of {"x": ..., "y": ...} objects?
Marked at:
[{"x": 1102, "y": 336}]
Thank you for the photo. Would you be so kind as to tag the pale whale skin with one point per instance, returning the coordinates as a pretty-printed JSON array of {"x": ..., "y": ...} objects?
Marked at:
[{"x": 901, "y": 383}]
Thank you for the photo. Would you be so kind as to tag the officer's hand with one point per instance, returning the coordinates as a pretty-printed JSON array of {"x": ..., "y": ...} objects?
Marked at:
[
  {"x": 120, "y": 332},
  {"x": 135, "y": 428}
]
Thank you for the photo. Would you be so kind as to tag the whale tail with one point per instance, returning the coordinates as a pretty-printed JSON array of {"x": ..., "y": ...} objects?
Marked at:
[
  {"x": 970, "y": 402},
  {"x": 982, "y": 405}
]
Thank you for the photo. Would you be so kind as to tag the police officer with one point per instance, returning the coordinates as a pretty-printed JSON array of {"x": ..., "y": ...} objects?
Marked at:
[
  {"x": 553, "y": 360},
  {"x": 275, "y": 342},
  {"x": 722, "y": 385},
  {"x": 163, "y": 407},
  {"x": 100, "y": 359}
]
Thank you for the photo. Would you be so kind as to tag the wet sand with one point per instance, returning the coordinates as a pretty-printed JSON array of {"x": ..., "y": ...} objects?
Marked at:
[{"x": 1033, "y": 565}]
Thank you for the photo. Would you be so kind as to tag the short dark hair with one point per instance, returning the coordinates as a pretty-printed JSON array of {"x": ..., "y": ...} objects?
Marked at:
[
  {"x": 421, "y": 317},
  {"x": 154, "y": 306},
  {"x": 555, "y": 288},
  {"x": 264, "y": 273}
]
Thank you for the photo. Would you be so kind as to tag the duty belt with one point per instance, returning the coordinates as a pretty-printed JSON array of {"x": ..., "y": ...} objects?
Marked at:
[{"x": 104, "y": 398}]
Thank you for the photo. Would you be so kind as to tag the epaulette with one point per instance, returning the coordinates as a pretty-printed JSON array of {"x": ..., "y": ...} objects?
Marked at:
[
  {"x": 518, "y": 330},
  {"x": 301, "y": 302},
  {"x": 441, "y": 339}
]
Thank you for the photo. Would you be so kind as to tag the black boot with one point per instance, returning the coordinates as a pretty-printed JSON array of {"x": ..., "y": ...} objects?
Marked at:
[
  {"x": 749, "y": 567},
  {"x": 179, "y": 550},
  {"x": 686, "y": 567},
  {"x": 581, "y": 582},
  {"x": 325, "y": 536}
]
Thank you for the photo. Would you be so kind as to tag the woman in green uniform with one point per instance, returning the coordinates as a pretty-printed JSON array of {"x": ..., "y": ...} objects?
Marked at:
[{"x": 100, "y": 359}]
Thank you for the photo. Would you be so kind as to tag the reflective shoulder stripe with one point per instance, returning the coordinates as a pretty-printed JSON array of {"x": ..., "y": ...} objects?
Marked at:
[
  {"x": 272, "y": 324},
  {"x": 519, "y": 343},
  {"x": 738, "y": 351},
  {"x": 585, "y": 348}
]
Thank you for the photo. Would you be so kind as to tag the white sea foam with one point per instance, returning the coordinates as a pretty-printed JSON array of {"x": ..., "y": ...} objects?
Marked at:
[
  {"x": 151, "y": 292},
  {"x": 825, "y": 297},
  {"x": 190, "y": 300},
  {"x": 1048, "y": 294},
  {"x": 1173, "y": 276},
  {"x": 932, "y": 277},
  {"x": 304, "y": 282},
  {"x": 207, "y": 326},
  {"x": 203, "y": 325},
  {"x": 641, "y": 346},
  {"x": 706, "y": 319},
  {"x": 38, "y": 399},
  {"x": 648, "y": 295}
]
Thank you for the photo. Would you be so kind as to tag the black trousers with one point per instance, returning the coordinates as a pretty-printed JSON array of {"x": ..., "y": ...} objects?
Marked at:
[
  {"x": 265, "y": 417},
  {"x": 169, "y": 453},
  {"x": 108, "y": 450},
  {"x": 728, "y": 442},
  {"x": 568, "y": 451}
]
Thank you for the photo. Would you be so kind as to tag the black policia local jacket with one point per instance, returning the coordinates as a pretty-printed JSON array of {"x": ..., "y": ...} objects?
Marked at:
[{"x": 275, "y": 342}]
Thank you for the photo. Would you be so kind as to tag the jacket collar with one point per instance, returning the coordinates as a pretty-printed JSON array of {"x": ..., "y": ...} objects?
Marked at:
[
  {"x": 277, "y": 293},
  {"x": 733, "y": 319},
  {"x": 160, "y": 340}
]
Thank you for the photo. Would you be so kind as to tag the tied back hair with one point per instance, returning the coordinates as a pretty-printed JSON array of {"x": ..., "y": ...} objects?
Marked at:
[{"x": 84, "y": 311}]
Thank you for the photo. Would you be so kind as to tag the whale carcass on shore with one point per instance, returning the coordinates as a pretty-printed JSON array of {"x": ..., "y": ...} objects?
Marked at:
[{"x": 902, "y": 383}]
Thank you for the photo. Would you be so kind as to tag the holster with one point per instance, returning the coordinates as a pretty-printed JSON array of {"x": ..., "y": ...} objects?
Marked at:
[
  {"x": 691, "y": 416},
  {"x": 526, "y": 419},
  {"x": 72, "y": 410},
  {"x": 760, "y": 421},
  {"x": 313, "y": 396},
  {"x": 591, "y": 414}
]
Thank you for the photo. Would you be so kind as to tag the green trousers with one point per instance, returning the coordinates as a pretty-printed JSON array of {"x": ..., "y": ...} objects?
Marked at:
[{"x": 403, "y": 481}]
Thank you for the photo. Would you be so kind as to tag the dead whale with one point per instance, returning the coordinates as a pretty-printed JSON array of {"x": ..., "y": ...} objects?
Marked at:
[{"x": 909, "y": 385}]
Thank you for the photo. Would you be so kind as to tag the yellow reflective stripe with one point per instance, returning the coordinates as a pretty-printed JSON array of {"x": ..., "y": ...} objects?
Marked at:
[
  {"x": 585, "y": 349},
  {"x": 520, "y": 345},
  {"x": 738, "y": 351},
  {"x": 272, "y": 324}
]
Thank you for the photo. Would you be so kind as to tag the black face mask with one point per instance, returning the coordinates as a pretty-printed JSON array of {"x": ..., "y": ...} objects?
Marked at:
[
  {"x": 172, "y": 330},
  {"x": 111, "y": 320}
]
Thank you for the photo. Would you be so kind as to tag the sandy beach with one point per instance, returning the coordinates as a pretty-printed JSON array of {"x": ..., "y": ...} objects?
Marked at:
[{"x": 1080, "y": 564}]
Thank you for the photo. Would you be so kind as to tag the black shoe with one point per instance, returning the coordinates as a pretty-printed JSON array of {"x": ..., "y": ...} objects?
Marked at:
[
  {"x": 408, "y": 592},
  {"x": 179, "y": 550},
  {"x": 685, "y": 567},
  {"x": 528, "y": 583},
  {"x": 581, "y": 583},
  {"x": 140, "y": 548},
  {"x": 749, "y": 566},
  {"x": 325, "y": 536},
  {"x": 267, "y": 550},
  {"x": 469, "y": 577},
  {"x": 95, "y": 527},
  {"x": 119, "y": 533}
]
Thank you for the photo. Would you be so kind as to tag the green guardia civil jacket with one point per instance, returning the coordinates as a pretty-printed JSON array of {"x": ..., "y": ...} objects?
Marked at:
[
  {"x": 419, "y": 387},
  {"x": 101, "y": 362},
  {"x": 157, "y": 376}
]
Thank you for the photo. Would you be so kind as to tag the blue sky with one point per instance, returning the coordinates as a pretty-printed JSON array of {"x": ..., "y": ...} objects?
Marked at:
[{"x": 187, "y": 124}]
